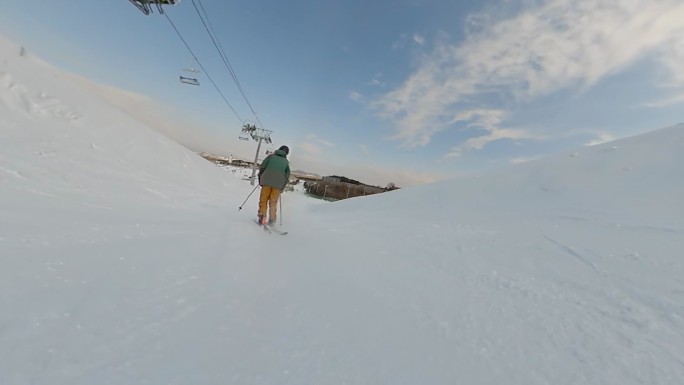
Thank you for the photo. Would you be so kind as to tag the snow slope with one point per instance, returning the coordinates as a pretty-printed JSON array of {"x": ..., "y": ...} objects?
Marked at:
[{"x": 126, "y": 261}]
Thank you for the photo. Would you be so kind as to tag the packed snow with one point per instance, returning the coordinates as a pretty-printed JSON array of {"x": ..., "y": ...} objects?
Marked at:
[{"x": 125, "y": 260}]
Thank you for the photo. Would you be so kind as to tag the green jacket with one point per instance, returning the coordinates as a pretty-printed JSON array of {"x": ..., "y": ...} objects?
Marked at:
[{"x": 275, "y": 170}]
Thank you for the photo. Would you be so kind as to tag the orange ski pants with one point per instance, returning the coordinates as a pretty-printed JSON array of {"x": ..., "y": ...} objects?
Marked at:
[{"x": 269, "y": 199}]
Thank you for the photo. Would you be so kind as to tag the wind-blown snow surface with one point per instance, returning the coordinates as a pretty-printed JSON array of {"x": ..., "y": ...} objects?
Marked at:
[{"x": 125, "y": 261}]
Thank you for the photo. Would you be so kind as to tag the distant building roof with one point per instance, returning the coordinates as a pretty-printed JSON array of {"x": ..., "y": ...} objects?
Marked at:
[{"x": 306, "y": 175}]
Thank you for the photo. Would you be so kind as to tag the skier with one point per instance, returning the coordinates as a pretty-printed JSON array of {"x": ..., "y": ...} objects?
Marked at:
[{"x": 274, "y": 173}]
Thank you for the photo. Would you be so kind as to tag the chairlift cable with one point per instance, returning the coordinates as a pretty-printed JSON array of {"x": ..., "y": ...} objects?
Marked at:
[
  {"x": 217, "y": 44},
  {"x": 202, "y": 67}
]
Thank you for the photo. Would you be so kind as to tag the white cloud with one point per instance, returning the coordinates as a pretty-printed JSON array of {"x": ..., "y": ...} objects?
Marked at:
[
  {"x": 453, "y": 153},
  {"x": 600, "y": 139},
  {"x": 355, "y": 96},
  {"x": 313, "y": 146},
  {"x": 557, "y": 45},
  {"x": 676, "y": 99},
  {"x": 520, "y": 159},
  {"x": 407, "y": 40},
  {"x": 489, "y": 121},
  {"x": 316, "y": 139},
  {"x": 476, "y": 22},
  {"x": 309, "y": 149},
  {"x": 376, "y": 82},
  {"x": 480, "y": 142},
  {"x": 673, "y": 56},
  {"x": 326, "y": 143},
  {"x": 364, "y": 148}
]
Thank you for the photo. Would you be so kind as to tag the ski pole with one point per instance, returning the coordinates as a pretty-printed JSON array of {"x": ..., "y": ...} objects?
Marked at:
[
  {"x": 281, "y": 209},
  {"x": 250, "y": 194}
]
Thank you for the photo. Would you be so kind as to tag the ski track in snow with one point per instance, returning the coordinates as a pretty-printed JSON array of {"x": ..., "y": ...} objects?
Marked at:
[{"x": 573, "y": 253}]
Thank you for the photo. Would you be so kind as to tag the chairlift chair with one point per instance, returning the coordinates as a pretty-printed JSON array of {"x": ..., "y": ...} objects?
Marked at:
[
  {"x": 145, "y": 6},
  {"x": 190, "y": 80}
]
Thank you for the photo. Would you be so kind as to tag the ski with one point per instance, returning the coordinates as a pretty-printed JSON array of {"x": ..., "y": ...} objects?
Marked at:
[
  {"x": 277, "y": 231},
  {"x": 270, "y": 229},
  {"x": 266, "y": 229}
]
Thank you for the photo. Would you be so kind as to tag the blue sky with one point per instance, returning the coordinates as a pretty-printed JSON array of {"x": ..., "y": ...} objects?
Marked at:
[{"x": 403, "y": 91}]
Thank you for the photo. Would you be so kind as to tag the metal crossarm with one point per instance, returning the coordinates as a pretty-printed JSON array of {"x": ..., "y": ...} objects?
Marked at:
[{"x": 145, "y": 6}]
